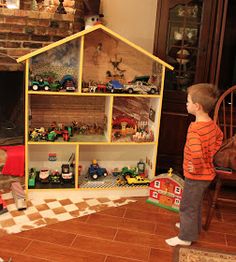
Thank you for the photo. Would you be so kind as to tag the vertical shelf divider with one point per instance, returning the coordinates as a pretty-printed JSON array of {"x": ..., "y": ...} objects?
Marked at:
[
  {"x": 109, "y": 120},
  {"x": 77, "y": 166},
  {"x": 81, "y": 64},
  {"x": 26, "y": 126}
]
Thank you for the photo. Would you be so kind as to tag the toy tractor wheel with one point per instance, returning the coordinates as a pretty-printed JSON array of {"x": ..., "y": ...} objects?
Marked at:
[
  {"x": 105, "y": 174},
  {"x": 95, "y": 176},
  {"x": 35, "y": 87},
  {"x": 46, "y": 88},
  {"x": 130, "y": 91}
]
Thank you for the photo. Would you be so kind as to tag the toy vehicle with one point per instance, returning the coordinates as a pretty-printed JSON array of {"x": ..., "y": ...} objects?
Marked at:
[
  {"x": 44, "y": 176},
  {"x": 3, "y": 206},
  {"x": 40, "y": 85},
  {"x": 95, "y": 171},
  {"x": 32, "y": 178},
  {"x": 55, "y": 177},
  {"x": 116, "y": 172},
  {"x": 137, "y": 180},
  {"x": 141, "y": 88},
  {"x": 68, "y": 83},
  {"x": 114, "y": 86},
  {"x": 56, "y": 86},
  {"x": 129, "y": 172},
  {"x": 52, "y": 136},
  {"x": 66, "y": 174},
  {"x": 143, "y": 79},
  {"x": 120, "y": 181}
]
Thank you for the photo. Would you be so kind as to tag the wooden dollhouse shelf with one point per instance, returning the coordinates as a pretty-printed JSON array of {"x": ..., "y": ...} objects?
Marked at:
[{"x": 97, "y": 97}]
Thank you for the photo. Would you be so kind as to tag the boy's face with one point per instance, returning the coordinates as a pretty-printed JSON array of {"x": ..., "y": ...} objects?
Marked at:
[{"x": 191, "y": 107}]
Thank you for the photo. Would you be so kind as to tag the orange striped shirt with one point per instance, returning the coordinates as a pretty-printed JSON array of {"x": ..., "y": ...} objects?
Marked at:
[{"x": 203, "y": 141}]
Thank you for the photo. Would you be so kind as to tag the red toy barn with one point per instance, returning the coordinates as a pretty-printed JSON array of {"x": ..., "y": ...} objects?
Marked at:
[{"x": 166, "y": 190}]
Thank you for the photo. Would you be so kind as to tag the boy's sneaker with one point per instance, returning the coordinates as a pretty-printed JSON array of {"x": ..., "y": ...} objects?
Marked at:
[
  {"x": 175, "y": 241},
  {"x": 177, "y": 225}
]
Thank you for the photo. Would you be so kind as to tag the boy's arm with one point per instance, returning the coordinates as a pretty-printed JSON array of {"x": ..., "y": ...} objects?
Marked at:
[
  {"x": 196, "y": 164},
  {"x": 219, "y": 139}
]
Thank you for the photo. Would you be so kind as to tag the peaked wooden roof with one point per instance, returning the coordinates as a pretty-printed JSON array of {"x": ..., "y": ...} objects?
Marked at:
[{"x": 85, "y": 32}]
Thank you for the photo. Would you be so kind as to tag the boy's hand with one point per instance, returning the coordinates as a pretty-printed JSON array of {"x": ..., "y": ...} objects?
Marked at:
[{"x": 190, "y": 167}]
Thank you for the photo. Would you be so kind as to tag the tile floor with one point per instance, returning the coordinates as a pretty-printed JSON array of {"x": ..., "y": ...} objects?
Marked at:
[{"x": 41, "y": 212}]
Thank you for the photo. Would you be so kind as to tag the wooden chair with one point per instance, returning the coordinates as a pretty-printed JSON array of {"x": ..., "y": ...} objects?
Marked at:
[{"x": 225, "y": 117}]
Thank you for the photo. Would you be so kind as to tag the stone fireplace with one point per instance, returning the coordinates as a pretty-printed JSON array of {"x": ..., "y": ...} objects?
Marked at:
[{"x": 23, "y": 31}]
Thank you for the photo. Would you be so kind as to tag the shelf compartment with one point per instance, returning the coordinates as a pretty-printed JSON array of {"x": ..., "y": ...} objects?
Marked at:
[
  {"x": 107, "y": 58},
  {"x": 135, "y": 119},
  {"x": 111, "y": 157},
  {"x": 86, "y": 116},
  {"x": 61, "y": 63},
  {"x": 52, "y": 158}
]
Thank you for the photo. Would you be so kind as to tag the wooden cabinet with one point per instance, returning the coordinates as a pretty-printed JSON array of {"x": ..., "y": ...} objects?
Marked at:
[
  {"x": 184, "y": 38},
  {"x": 105, "y": 91}
]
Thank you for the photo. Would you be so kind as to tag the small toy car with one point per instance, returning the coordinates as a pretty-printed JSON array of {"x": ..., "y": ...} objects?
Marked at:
[
  {"x": 68, "y": 83},
  {"x": 40, "y": 85},
  {"x": 66, "y": 174},
  {"x": 138, "y": 180},
  {"x": 44, "y": 176},
  {"x": 114, "y": 86},
  {"x": 141, "y": 88},
  {"x": 55, "y": 177}
]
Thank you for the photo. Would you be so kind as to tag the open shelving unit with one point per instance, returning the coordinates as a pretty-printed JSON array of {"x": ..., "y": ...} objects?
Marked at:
[{"x": 79, "y": 107}]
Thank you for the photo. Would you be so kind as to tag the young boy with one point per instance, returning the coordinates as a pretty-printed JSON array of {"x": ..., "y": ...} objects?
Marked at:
[{"x": 204, "y": 138}]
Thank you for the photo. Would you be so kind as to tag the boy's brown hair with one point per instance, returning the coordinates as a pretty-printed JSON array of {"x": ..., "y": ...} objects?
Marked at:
[{"x": 204, "y": 94}]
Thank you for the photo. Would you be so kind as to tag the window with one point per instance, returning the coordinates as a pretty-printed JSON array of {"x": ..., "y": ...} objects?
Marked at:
[
  {"x": 155, "y": 195},
  {"x": 177, "y": 190},
  {"x": 157, "y": 184},
  {"x": 177, "y": 201}
]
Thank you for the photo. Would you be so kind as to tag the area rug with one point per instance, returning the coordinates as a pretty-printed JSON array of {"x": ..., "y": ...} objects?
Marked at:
[
  {"x": 42, "y": 212},
  {"x": 191, "y": 254}
]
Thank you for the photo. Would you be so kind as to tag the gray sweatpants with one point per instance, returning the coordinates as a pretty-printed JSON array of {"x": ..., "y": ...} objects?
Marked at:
[{"x": 191, "y": 209}]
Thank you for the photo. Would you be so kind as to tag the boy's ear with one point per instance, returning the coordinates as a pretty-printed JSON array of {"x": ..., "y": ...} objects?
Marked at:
[{"x": 198, "y": 106}]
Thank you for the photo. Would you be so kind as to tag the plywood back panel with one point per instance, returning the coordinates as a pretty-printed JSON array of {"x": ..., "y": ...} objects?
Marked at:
[{"x": 64, "y": 110}]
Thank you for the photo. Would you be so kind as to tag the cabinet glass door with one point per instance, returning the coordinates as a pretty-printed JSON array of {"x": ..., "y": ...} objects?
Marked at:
[{"x": 182, "y": 43}]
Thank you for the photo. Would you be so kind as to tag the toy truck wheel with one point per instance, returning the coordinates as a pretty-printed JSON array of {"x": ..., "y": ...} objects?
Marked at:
[
  {"x": 35, "y": 87},
  {"x": 46, "y": 88},
  {"x": 152, "y": 91},
  {"x": 130, "y": 91},
  {"x": 95, "y": 176}
]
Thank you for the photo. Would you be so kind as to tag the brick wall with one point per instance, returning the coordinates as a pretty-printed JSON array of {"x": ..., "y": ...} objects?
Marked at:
[
  {"x": 23, "y": 31},
  {"x": 48, "y": 5}
]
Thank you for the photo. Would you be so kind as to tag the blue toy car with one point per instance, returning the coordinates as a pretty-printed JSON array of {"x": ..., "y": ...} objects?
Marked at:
[{"x": 114, "y": 86}]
